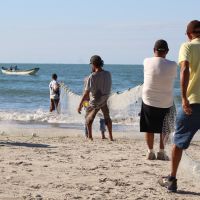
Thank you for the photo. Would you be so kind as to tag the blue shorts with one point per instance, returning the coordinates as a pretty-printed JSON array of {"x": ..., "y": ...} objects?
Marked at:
[
  {"x": 187, "y": 126},
  {"x": 102, "y": 125}
]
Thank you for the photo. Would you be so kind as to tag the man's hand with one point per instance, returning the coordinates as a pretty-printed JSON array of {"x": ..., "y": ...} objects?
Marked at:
[
  {"x": 186, "y": 107},
  {"x": 85, "y": 96},
  {"x": 79, "y": 109}
]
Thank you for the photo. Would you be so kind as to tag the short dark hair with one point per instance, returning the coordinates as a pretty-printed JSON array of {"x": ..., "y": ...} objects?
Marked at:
[
  {"x": 161, "y": 46},
  {"x": 54, "y": 76},
  {"x": 97, "y": 61},
  {"x": 193, "y": 27}
]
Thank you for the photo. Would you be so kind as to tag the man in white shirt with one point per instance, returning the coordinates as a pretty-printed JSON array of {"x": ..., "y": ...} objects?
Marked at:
[
  {"x": 54, "y": 88},
  {"x": 157, "y": 96}
]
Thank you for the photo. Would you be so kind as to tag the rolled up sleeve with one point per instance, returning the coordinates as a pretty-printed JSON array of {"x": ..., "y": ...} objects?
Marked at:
[{"x": 184, "y": 53}]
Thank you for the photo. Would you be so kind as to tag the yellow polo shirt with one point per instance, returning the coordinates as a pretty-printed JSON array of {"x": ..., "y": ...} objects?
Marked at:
[{"x": 190, "y": 51}]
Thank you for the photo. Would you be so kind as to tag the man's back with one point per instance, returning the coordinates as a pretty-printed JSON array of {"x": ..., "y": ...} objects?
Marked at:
[
  {"x": 99, "y": 85},
  {"x": 54, "y": 89},
  {"x": 190, "y": 51},
  {"x": 159, "y": 75}
]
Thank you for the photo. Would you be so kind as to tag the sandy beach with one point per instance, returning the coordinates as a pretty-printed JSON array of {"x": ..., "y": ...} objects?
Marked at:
[{"x": 61, "y": 164}]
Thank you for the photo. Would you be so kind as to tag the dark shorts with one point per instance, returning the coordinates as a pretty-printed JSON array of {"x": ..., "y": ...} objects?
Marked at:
[
  {"x": 53, "y": 104},
  {"x": 91, "y": 113},
  {"x": 186, "y": 126},
  {"x": 152, "y": 118}
]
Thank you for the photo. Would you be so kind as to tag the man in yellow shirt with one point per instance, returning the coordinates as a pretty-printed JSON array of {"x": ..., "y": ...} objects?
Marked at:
[{"x": 188, "y": 119}]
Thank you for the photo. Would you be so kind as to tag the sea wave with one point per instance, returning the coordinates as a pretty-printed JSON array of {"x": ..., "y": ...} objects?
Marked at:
[{"x": 124, "y": 109}]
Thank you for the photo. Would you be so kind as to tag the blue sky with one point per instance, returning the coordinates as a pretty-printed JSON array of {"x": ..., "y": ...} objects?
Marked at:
[{"x": 70, "y": 31}]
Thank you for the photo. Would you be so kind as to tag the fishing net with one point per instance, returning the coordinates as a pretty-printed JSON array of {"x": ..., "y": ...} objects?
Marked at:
[{"x": 125, "y": 108}]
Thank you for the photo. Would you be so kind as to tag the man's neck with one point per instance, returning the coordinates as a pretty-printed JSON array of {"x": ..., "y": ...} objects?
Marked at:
[
  {"x": 159, "y": 55},
  {"x": 194, "y": 36},
  {"x": 98, "y": 69},
  {"x": 197, "y": 37}
]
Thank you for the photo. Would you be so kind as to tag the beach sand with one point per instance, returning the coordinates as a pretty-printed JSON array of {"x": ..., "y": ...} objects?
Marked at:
[{"x": 61, "y": 164}]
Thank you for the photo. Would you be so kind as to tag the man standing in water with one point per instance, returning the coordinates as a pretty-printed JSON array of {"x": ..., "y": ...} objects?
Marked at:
[
  {"x": 98, "y": 87},
  {"x": 188, "y": 119},
  {"x": 54, "y": 88}
]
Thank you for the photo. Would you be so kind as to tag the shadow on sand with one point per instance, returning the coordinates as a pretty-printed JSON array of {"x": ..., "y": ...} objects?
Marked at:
[
  {"x": 25, "y": 144},
  {"x": 188, "y": 192}
]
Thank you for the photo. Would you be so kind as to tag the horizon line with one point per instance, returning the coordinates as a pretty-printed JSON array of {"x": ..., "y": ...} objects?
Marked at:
[{"x": 43, "y": 63}]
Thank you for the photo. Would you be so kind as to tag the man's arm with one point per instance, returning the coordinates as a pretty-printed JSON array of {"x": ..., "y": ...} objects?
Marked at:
[
  {"x": 184, "y": 81},
  {"x": 85, "y": 96}
]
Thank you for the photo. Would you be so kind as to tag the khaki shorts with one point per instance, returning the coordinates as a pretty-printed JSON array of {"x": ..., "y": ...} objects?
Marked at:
[{"x": 91, "y": 113}]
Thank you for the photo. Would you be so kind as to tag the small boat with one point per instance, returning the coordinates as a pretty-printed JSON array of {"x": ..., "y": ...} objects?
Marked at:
[{"x": 19, "y": 72}]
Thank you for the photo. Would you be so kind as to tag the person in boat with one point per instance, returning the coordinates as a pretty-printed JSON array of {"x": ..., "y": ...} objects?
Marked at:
[
  {"x": 54, "y": 88},
  {"x": 15, "y": 67}
]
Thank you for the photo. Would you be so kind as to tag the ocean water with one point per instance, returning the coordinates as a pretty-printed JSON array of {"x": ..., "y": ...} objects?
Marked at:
[{"x": 26, "y": 98}]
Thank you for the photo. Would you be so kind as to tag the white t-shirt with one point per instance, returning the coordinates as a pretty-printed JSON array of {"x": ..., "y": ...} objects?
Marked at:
[
  {"x": 54, "y": 90},
  {"x": 159, "y": 76}
]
